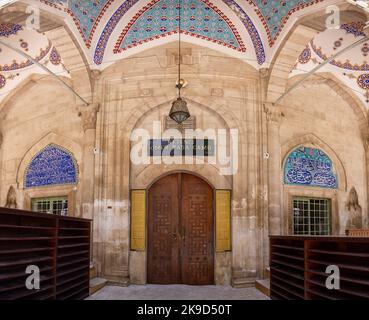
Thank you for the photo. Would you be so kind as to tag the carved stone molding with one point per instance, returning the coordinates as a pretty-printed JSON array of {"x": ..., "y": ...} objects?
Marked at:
[
  {"x": 264, "y": 73},
  {"x": 146, "y": 93},
  {"x": 274, "y": 114},
  {"x": 188, "y": 124},
  {"x": 89, "y": 116},
  {"x": 95, "y": 74},
  {"x": 365, "y": 138},
  {"x": 173, "y": 57},
  {"x": 217, "y": 92}
]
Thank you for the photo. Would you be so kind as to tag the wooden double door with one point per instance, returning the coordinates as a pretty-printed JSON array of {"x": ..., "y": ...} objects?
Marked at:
[{"x": 180, "y": 231}]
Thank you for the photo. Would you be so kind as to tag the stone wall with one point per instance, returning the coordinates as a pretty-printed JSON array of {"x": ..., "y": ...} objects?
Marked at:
[
  {"x": 41, "y": 114},
  {"x": 316, "y": 116},
  {"x": 222, "y": 92}
]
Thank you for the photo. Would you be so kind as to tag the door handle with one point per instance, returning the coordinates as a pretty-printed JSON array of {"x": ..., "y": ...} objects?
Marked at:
[{"x": 174, "y": 235}]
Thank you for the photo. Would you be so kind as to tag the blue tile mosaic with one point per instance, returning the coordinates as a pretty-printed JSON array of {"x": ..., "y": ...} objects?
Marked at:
[
  {"x": 275, "y": 13},
  {"x": 52, "y": 166},
  {"x": 309, "y": 167},
  {"x": 199, "y": 18},
  {"x": 86, "y": 14}
]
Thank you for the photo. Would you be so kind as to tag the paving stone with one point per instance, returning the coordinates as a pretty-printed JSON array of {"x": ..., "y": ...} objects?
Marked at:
[{"x": 176, "y": 292}]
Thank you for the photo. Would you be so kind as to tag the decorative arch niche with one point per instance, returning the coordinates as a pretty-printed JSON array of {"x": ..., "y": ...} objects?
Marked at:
[
  {"x": 291, "y": 190},
  {"x": 67, "y": 147}
]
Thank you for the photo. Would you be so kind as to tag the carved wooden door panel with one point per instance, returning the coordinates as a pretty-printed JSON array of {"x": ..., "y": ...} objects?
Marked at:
[
  {"x": 197, "y": 230},
  {"x": 181, "y": 231},
  {"x": 163, "y": 243}
]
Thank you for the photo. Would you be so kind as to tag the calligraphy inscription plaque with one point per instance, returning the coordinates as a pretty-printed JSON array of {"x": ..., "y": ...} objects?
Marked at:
[
  {"x": 310, "y": 167},
  {"x": 181, "y": 147}
]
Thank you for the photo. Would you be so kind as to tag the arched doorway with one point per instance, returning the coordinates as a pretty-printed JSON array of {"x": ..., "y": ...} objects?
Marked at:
[{"x": 180, "y": 231}]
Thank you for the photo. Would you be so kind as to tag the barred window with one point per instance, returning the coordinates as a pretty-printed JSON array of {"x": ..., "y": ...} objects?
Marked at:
[
  {"x": 311, "y": 216},
  {"x": 56, "y": 205}
]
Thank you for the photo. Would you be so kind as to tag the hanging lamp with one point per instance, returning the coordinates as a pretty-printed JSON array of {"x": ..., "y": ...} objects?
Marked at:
[{"x": 179, "y": 111}]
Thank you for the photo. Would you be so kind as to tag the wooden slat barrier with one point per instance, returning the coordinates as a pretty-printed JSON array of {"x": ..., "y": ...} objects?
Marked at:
[
  {"x": 58, "y": 246},
  {"x": 298, "y": 267}
]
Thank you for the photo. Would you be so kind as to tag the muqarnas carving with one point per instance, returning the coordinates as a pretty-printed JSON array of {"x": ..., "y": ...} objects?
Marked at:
[
  {"x": 354, "y": 211},
  {"x": 11, "y": 199}
]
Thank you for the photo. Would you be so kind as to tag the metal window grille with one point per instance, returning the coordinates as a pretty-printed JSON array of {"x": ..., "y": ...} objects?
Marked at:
[
  {"x": 311, "y": 216},
  {"x": 57, "y": 205}
]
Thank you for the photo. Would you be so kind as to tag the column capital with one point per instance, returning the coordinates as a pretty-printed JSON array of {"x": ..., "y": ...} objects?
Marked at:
[
  {"x": 274, "y": 114},
  {"x": 89, "y": 116},
  {"x": 264, "y": 73}
]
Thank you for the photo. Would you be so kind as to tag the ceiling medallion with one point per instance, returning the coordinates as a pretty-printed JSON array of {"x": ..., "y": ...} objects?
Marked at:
[{"x": 363, "y": 81}]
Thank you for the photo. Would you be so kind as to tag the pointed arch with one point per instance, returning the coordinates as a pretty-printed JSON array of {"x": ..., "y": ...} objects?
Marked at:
[
  {"x": 70, "y": 150},
  {"x": 158, "y": 19},
  {"x": 344, "y": 92},
  {"x": 285, "y": 59},
  {"x": 86, "y": 15},
  {"x": 51, "y": 166},
  {"x": 27, "y": 84},
  {"x": 123, "y": 10},
  {"x": 290, "y": 48},
  {"x": 211, "y": 103}
]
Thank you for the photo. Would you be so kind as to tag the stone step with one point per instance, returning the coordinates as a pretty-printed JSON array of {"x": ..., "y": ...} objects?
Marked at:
[
  {"x": 267, "y": 273},
  {"x": 243, "y": 283},
  {"x": 263, "y": 285},
  {"x": 96, "y": 284},
  {"x": 93, "y": 271}
]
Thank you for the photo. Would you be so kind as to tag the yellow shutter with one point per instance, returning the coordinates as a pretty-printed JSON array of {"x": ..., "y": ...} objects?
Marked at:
[
  {"x": 223, "y": 220},
  {"x": 138, "y": 219}
]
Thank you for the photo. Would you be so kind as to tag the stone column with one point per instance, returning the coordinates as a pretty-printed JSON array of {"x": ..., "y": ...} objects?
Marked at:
[
  {"x": 1, "y": 160},
  {"x": 366, "y": 148},
  {"x": 263, "y": 221},
  {"x": 88, "y": 115},
  {"x": 274, "y": 116}
]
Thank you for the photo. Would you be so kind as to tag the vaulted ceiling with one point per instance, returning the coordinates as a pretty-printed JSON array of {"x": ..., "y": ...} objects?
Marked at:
[
  {"x": 15, "y": 67},
  {"x": 110, "y": 30},
  {"x": 351, "y": 68}
]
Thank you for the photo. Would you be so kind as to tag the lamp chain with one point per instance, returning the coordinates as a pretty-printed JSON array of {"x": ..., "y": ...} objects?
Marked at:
[{"x": 179, "y": 49}]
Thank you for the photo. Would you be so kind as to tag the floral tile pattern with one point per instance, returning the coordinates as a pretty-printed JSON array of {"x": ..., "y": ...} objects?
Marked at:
[
  {"x": 275, "y": 14},
  {"x": 199, "y": 18},
  {"x": 85, "y": 14}
]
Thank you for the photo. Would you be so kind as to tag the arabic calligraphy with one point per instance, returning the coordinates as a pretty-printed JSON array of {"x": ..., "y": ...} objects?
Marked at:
[{"x": 311, "y": 167}]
